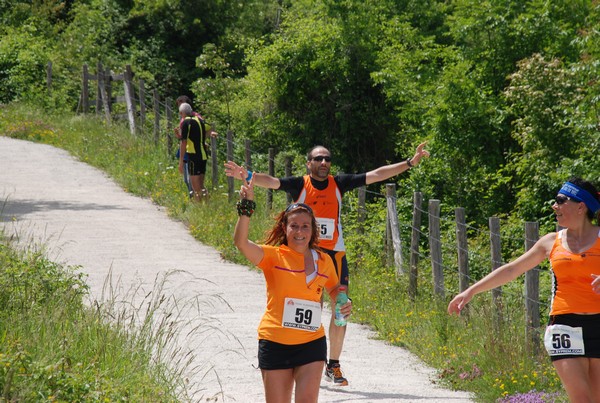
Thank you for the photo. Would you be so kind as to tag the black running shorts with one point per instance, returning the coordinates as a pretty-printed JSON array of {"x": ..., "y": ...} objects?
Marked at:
[
  {"x": 273, "y": 355},
  {"x": 196, "y": 166},
  {"x": 590, "y": 325}
]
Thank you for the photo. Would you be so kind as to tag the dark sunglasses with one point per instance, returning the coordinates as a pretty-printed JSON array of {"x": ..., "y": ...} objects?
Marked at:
[
  {"x": 298, "y": 205},
  {"x": 561, "y": 199},
  {"x": 320, "y": 158}
]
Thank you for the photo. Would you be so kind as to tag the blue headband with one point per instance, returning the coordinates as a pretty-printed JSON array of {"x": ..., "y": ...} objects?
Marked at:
[{"x": 580, "y": 195}]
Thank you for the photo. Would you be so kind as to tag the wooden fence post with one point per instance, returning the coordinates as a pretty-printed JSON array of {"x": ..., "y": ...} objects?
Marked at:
[
  {"x": 388, "y": 247},
  {"x": 99, "y": 80},
  {"x": 169, "y": 123},
  {"x": 463, "y": 251},
  {"x": 288, "y": 172},
  {"x": 49, "y": 78},
  {"x": 414, "y": 245},
  {"x": 103, "y": 95},
  {"x": 435, "y": 247},
  {"x": 392, "y": 217},
  {"x": 85, "y": 92},
  {"x": 362, "y": 211},
  {"x": 272, "y": 173},
  {"x": 248, "y": 155},
  {"x": 142, "y": 91},
  {"x": 532, "y": 292},
  {"x": 129, "y": 98},
  {"x": 108, "y": 87},
  {"x": 156, "y": 110},
  {"x": 496, "y": 252},
  {"x": 214, "y": 162},
  {"x": 230, "y": 158}
]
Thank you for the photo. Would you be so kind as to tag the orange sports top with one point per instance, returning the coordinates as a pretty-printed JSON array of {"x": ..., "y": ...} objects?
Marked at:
[
  {"x": 571, "y": 281},
  {"x": 284, "y": 273},
  {"x": 327, "y": 205}
]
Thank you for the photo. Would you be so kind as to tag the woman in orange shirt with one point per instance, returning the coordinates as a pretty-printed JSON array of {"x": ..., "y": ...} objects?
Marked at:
[
  {"x": 572, "y": 337},
  {"x": 292, "y": 347}
]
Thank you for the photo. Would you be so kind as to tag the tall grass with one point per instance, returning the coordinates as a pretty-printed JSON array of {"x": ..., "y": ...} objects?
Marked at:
[
  {"x": 470, "y": 353},
  {"x": 54, "y": 347}
]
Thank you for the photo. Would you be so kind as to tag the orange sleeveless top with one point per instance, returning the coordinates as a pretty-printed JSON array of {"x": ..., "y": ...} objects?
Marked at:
[
  {"x": 572, "y": 278},
  {"x": 327, "y": 205}
]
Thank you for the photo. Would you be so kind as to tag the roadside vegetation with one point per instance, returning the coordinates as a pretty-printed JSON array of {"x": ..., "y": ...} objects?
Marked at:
[
  {"x": 470, "y": 353},
  {"x": 56, "y": 347}
]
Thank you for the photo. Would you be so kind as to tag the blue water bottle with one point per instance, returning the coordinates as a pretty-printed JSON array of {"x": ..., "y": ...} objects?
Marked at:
[{"x": 342, "y": 298}]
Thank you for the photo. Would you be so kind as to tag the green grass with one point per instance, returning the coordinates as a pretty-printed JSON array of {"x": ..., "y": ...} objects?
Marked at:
[
  {"x": 474, "y": 353},
  {"x": 54, "y": 347}
]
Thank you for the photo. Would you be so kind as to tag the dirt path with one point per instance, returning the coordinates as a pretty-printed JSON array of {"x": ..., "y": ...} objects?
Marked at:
[{"x": 85, "y": 219}]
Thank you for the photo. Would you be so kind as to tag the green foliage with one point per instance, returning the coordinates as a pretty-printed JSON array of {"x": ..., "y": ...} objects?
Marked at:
[
  {"x": 31, "y": 282},
  {"x": 159, "y": 39},
  {"x": 370, "y": 80},
  {"x": 545, "y": 99},
  {"x": 313, "y": 84},
  {"x": 216, "y": 94},
  {"x": 54, "y": 348},
  {"x": 496, "y": 34},
  {"x": 23, "y": 58}
]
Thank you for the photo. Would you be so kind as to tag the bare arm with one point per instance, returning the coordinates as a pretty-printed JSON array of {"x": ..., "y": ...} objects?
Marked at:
[
  {"x": 263, "y": 180},
  {"x": 505, "y": 273},
  {"x": 249, "y": 249},
  {"x": 388, "y": 171}
]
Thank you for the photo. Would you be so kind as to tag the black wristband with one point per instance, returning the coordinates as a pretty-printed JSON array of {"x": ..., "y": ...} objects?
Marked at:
[
  {"x": 409, "y": 163},
  {"x": 246, "y": 207}
]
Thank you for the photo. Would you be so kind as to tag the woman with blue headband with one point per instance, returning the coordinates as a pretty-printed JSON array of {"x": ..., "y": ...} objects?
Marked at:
[{"x": 572, "y": 337}]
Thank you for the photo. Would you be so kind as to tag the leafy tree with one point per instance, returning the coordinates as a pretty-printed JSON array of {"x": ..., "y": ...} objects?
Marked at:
[
  {"x": 496, "y": 34},
  {"x": 215, "y": 94},
  {"x": 315, "y": 82},
  {"x": 166, "y": 37},
  {"x": 23, "y": 58},
  {"x": 544, "y": 96},
  {"x": 436, "y": 94}
]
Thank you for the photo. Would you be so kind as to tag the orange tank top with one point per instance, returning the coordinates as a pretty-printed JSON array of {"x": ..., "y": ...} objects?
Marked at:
[
  {"x": 572, "y": 277},
  {"x": 327, "y": 205}
]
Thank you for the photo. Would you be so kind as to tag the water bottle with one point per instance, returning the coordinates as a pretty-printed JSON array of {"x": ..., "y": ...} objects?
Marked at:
[{"x": 342, "y": 298}]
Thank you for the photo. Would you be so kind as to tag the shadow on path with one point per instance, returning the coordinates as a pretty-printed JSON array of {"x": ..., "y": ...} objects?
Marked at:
[{"x": 18, "y": 208}]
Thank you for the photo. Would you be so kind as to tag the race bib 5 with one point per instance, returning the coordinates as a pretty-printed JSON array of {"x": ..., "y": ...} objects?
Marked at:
[{"x": 326, "y": 227}]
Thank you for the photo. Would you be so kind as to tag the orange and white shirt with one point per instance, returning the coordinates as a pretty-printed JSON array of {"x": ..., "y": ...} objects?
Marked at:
[
  {"x": 326, "y": 205},
  {"x": 572, "y": 277},
  {"x": 325, "y": 199},
  {"x": 294, "y": 305}
]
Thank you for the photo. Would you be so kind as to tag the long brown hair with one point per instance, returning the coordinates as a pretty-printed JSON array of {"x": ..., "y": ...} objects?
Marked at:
[{"x": 276, "y": 235}]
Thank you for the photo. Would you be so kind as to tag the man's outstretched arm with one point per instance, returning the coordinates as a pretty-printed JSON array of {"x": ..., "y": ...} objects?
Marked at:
[
  {"x": 388, "y": 171},
  {"x": 263, "y": 180}
]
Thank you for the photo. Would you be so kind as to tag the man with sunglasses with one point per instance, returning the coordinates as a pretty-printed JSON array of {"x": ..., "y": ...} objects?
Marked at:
[{"x": 323, "y": 193}]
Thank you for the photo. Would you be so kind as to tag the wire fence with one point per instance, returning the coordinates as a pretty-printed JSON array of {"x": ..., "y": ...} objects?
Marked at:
[{"x": 450, "y": 249}]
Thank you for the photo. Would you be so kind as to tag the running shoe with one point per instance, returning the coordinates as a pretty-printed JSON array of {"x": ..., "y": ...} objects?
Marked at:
[{"x": 334, "y": 374}]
